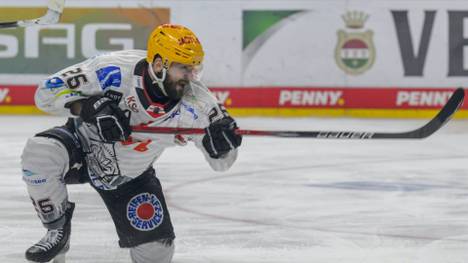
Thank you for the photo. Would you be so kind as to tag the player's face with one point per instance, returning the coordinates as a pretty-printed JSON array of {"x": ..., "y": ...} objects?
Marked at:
[{"x": 178, "y": 78}]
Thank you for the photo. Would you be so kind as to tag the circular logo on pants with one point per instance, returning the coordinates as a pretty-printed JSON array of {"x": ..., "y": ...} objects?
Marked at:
[{"x": 145, "y": 212}]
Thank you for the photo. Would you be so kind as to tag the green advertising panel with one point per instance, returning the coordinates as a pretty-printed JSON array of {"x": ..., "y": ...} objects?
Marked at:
[
  {"x": 256, "y": 22},
  {"x": 81, "y": 33},
  {"x": 258, "y": 26}
]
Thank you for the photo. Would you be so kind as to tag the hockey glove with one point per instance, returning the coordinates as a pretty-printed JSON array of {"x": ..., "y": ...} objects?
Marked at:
[
  {"x": 220, "y": 137},
  {"x": 112, "y": 123}
]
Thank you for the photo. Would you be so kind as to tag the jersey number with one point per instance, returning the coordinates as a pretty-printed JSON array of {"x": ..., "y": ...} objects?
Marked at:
[
  {"x": 75, "y": 78},
  {"x": 140, "y": 147},
  {"x": 217, "y": 113},
  {"x": 43, "y": 206}
]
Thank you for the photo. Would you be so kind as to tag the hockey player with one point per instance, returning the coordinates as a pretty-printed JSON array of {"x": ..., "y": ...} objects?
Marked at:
[{"x": 105, "y": 96}]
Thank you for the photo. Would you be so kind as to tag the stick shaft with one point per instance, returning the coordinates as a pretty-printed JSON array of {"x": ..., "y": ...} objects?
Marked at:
[{"x": 444, "y": 115}]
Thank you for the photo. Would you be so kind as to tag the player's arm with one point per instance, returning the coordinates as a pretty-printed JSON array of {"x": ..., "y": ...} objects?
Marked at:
[
  {"x": 220, "y": 142},
  {"x": 56, "y": 94},
  {"x": 79, "y": 91}
]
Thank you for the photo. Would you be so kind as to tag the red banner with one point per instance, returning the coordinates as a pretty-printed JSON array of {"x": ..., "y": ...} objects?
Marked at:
[
  {"x": 15, "y": 95},
  {"x": 334, "y": 98},
  {"x": 293, "y": 97}
]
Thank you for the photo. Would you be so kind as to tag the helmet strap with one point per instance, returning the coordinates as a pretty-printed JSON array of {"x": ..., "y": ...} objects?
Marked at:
[{"x": 156, "y": 80}]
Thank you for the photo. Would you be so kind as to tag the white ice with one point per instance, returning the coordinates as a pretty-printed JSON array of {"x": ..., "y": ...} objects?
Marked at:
[{"x": 285, "y": 200}]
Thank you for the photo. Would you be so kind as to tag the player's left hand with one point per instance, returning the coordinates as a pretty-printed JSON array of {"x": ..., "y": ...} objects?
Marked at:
[
  {"x": 112, "y": 123},
  {"x": 220, "y": 137}
]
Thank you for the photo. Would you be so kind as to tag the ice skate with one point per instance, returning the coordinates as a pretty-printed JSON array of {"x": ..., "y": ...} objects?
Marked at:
[{"x": 54, "y": 244}]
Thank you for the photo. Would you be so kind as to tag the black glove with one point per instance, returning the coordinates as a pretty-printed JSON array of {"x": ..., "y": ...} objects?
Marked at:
[
  {"x": 113, "y": 124},
  {"x": 220, "y": 137}
]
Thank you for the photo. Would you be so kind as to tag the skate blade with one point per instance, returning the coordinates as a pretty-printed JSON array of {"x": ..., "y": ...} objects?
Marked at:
[{"x": 60, "y": 258}]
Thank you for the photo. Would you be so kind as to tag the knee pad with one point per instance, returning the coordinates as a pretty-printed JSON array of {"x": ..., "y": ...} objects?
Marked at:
[
  {"x": 48, "y": 161},
  {"x": 43, "y": 159},
  {"x": 77, "y": 171}
]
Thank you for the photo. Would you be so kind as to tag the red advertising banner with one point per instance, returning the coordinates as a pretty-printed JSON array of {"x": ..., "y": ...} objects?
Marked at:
[
  {"x": 339, "y": 98},
  {"x": 292, "y": 98},
  {"x": 16, "y": 95}
]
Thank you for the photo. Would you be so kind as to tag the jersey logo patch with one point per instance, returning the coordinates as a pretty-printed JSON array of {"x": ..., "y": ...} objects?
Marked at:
[
  {"x": 102, "y": 165},
  {"x": 131, "y": 103},
  {"x": 27, "y": 173},
  {"x": 30, "y": 178},
  {"x": 145, "y": 212},
  {"x": 54, "y": 83},
  {"x": 191, "y": 110},
  {"x": 109, "y": 77}
]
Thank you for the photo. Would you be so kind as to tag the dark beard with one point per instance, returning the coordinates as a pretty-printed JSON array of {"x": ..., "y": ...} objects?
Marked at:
[{"x": 175, "y": 90}]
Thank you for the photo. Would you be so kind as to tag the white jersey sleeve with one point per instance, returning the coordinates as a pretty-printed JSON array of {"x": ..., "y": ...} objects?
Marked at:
[
  {"x": 94, "y": 76},
  {"x": 221, "y": 164},
  {"x": 208, "y": 104}
]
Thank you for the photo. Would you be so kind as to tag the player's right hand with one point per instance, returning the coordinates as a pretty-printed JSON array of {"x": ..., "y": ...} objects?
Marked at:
[
  {"x": 221, "y": 137},
  {"x": 112, "y": 123}
]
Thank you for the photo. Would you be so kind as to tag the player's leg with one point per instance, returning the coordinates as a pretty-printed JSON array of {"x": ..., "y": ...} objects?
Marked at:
[
  {"x": 160, "y": 251},
  {"x": 45, "y": 162},
  {"x": 141, "y": 218}
]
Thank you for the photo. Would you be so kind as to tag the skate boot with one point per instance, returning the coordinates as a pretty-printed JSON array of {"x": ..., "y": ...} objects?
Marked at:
[{"x": 55, "y": 243}]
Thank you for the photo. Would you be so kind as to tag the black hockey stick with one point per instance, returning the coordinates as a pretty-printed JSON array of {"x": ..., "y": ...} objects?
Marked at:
[
  {"x": 54, "y": 11},
  {"x": 445, "y": 114}
]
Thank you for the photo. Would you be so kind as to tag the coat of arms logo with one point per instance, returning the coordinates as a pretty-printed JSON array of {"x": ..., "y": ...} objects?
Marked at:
[{"x": 355, "y": 51}]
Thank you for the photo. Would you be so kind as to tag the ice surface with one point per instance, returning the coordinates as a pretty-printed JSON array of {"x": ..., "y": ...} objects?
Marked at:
[{"x": 285, "y": 200}]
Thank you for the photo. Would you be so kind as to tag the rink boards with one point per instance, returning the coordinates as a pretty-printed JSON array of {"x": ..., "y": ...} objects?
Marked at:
[
  {"x": 293, "y": 101},
  {"x": 385, "y": 59}
]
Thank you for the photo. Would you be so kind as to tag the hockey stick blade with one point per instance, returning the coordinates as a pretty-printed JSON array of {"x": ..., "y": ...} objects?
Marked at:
[
  {"x": 54, "y": 11},
  {"x": 444, "y": 115}
]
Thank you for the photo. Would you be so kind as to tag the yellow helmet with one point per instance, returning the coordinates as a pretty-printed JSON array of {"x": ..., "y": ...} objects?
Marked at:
[{"x": 174, "y": 43}]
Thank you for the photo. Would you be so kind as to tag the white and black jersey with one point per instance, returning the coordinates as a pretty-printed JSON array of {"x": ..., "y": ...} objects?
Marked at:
[{"x": 121, "y": 75}]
